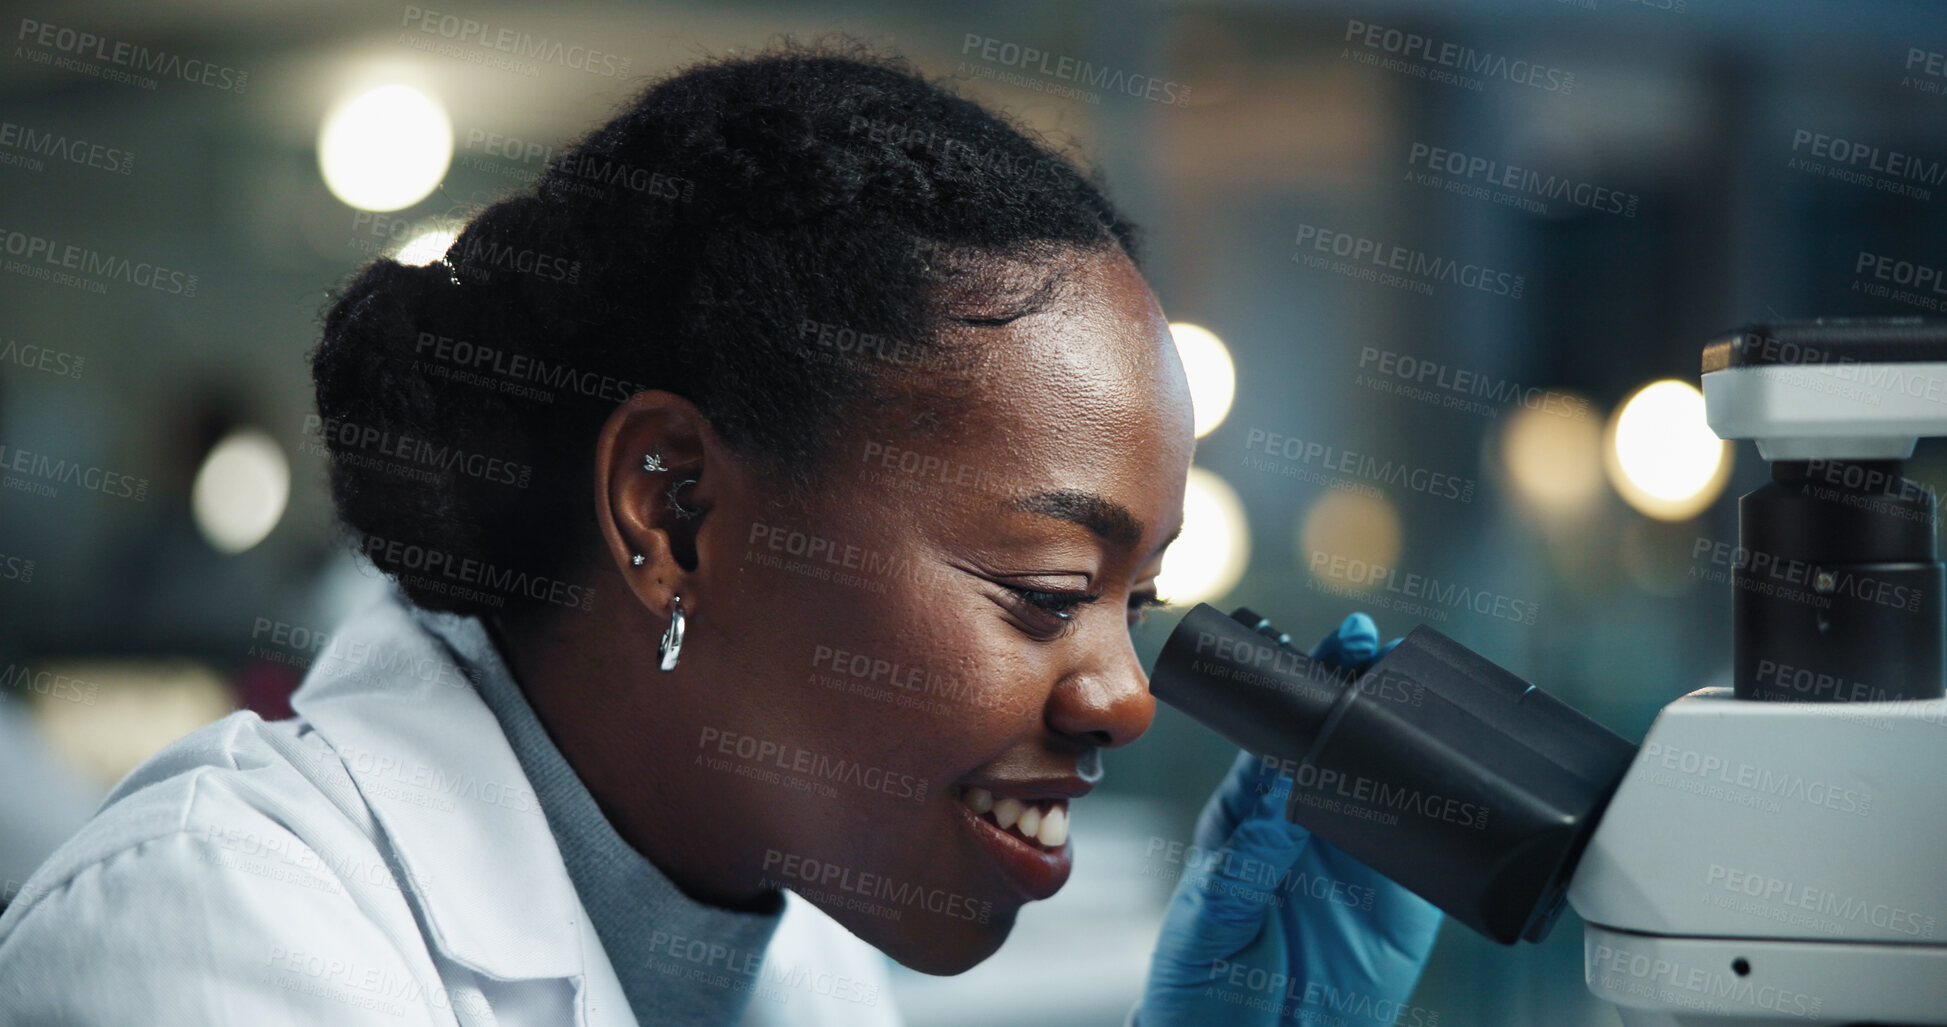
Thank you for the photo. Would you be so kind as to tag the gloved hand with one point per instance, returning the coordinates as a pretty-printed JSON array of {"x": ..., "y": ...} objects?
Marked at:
[{"x": 1270, "y": 925}]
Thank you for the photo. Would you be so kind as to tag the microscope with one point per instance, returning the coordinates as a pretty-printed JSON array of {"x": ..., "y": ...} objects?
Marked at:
[{"x": 1771, "y": 853}]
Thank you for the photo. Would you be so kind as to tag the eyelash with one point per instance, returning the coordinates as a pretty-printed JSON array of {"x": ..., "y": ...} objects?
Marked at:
[{"x": 1062, "y": 604}]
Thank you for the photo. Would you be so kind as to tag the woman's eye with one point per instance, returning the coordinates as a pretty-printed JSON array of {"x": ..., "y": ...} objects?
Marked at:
[
  {"x": 1140, "y": 603},
  {"x": 1050, "y": 612}
]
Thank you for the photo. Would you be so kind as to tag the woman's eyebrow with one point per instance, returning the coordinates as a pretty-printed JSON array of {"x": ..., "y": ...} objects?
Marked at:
[{"x": 1107, "y": 518}]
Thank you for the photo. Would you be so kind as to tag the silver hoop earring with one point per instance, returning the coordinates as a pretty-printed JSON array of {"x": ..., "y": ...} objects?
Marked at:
[
  {"x": 653, "y": 462},
  {"x": 672, "y": 645},
  {"x": 675, "y": 505}
]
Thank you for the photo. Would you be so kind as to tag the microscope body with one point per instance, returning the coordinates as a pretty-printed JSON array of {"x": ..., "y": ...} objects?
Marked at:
[
  {"x": 1773, "y": 854},
  {"x": 1773, "y": 863}
]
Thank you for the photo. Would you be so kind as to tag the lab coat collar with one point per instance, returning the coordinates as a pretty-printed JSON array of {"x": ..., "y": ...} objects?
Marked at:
[{"x": 432, "y": 763}]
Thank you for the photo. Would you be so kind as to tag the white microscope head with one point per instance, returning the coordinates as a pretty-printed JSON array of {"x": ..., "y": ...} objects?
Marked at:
[
  {"x": 1829, "y": 389},
  {"x": 1715, "y": 890}
]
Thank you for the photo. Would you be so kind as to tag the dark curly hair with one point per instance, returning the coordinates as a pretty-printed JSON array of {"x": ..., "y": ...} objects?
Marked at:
[{"x": 778, "y": 237}]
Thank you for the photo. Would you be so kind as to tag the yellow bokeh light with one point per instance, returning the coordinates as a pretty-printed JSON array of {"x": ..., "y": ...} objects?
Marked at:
[
  {"x": 110, "y": 715},
  {"x": 1208, "y": 559},
  {"x": 1662, "y": 456},
  {"x": 1349, "y": 539},
  {"x": 1213, "y": 378},
  {"x": 1554, "y": 460}
]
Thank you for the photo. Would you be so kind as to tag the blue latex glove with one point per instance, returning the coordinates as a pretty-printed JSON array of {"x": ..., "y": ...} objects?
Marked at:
[{"x": 1270, "y": 925}]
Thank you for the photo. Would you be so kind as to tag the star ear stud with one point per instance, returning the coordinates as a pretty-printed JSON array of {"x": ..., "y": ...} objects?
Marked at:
[{"x": 653, "y": 462}]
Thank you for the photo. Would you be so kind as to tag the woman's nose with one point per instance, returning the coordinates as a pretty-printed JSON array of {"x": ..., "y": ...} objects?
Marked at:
[{"x": 1105, "y": 699}]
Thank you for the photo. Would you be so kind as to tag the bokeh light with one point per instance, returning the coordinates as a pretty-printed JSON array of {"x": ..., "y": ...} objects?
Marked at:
[
  {"x": 385, "y": 148},
  {"x": 1662, "y": 456},
  {"x": 1213, "y": 378},
  {"x": 1349, "y": 539},
  {"x": 123, "y": 711},
  {"x": 241, "y": 490},
  {"x": 426, "y": 247},
  {"x": 1554, "y": 457},
  {"x": 1208, "y": 559}
]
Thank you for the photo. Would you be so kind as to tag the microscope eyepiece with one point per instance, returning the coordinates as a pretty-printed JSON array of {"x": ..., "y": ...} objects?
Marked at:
[{"x": 1465, "y": 784}]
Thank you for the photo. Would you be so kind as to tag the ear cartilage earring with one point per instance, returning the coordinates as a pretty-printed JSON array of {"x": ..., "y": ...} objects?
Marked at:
[
  {"x": 675, "y": 505},
  {"x": 672, "y": 644},
  {"x": 637, "y": 560},
  {"x": 653, "y": 462}
]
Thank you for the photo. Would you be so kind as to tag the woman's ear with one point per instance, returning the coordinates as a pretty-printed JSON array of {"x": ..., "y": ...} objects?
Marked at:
[{"x": 656, "y": 466}]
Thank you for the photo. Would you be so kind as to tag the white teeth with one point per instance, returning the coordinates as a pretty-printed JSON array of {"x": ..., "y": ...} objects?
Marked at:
[
  {"x": 1044, "y": 821},
  {"x": 1054, "y": 828},
  {"x": 1030, "y": 821}
]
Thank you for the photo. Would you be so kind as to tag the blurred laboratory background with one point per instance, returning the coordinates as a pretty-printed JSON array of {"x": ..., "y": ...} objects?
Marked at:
[{"x": 1440, "y": 270}]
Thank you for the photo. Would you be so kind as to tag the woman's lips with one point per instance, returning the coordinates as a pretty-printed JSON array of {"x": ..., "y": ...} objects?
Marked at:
[{"x": 1027, "y": 837}]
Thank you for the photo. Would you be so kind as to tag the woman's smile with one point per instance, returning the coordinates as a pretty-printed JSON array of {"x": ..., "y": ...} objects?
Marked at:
[{"x": 1024, "y": 829}]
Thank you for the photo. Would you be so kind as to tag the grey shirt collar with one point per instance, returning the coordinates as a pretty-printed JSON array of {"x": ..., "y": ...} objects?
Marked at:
[{"x": 646, "y": 924}]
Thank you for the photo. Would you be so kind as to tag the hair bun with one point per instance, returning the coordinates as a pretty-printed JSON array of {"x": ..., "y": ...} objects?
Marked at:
[
  {"x": 381, "y": 305},
  {"x": 378, "y": 399}
]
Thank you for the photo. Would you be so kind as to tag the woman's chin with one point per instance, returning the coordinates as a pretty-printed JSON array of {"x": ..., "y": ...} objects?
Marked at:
[{"x": 941, "y": 948}]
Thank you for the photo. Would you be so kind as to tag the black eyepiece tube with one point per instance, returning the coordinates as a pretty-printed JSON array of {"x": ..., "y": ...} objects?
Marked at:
[{"x": 1468, "y": 786}]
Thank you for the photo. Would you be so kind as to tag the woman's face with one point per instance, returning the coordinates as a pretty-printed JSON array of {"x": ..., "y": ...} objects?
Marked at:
[{"x": 874, "y": 662}]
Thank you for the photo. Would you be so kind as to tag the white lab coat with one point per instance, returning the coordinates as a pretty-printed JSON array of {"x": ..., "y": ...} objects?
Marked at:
[{"x": 378, "y": 859}]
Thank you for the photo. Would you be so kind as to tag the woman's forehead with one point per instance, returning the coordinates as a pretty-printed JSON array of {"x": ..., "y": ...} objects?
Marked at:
[
  {"x": 1098, "y": 354},
  {"x": 1085, "y": 395}
]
